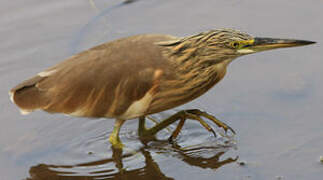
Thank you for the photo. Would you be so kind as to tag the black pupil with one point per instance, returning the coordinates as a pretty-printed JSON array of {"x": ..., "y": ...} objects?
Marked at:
[{"x": 235, "y": 44}]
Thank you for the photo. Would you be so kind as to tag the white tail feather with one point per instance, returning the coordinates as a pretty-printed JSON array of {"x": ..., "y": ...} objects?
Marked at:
[{"x": 11, "y": 94}]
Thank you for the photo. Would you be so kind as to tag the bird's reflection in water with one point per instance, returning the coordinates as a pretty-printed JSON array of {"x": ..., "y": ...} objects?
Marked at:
[{"x": 113, "y": 168}]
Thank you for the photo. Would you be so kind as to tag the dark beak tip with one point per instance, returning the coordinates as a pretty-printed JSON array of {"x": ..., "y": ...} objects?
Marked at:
[
  {"x": 308, "y": 42},
  {"x": 312, "y": 42}
]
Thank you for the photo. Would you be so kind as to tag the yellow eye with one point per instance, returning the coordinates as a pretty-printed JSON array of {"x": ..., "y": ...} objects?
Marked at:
[{"x": 235, "y": 44}]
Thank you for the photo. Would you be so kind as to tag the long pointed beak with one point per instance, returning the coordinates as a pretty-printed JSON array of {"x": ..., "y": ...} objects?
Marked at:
[{"x": 262, "y": 44}]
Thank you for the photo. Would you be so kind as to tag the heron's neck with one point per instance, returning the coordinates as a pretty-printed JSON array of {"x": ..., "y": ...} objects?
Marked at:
[{"x": 198, "y": 74}]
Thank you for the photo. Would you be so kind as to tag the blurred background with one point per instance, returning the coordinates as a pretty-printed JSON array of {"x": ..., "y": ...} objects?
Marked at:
[{"x": 272, "y": 99}]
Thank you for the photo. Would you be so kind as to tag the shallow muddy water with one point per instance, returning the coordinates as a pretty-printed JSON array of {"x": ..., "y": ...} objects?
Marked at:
[{"x": 273, "y": 99}]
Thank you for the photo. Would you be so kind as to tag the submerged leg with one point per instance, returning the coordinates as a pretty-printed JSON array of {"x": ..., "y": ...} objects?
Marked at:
[
  {"x": 193, "y": 114},
  {"x": 200, "y": 113},
  {"x": 144, "y": 132},
  {"x": 177, "y": 130},
  {"x": 141, "y": 126},
  {"x": 157, "y": 122},
  {"x": 114, "y": 137}
]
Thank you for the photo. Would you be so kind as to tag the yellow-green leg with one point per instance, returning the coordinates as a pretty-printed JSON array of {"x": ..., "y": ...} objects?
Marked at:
[{"x": 114, "y": 137}]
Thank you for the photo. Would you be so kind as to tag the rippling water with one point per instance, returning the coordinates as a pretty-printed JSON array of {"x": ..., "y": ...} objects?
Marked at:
[{"x": 273, "y": 99}]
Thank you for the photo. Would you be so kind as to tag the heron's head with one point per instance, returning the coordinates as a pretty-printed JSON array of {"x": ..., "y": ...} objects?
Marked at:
[
  {"x": 229, "y": 42},
  {"x": 224, "y": 44}
]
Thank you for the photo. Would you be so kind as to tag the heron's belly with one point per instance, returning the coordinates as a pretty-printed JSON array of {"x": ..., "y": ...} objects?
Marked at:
[{"x": 138, "y": 108}]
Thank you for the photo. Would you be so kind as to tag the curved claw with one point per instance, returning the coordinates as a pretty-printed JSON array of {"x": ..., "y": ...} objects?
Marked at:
[
  {"x": 212, "y": 118},
  {"x": 213, "y": 132},
  {"x": 202, "y": 122},
  {"x": 228, "y": 127}
]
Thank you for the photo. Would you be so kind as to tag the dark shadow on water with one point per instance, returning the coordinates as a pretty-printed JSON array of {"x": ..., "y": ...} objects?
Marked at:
[
  {"x": 113, "y": 167},
  {"x": 129, "y": 1},
  {"x": 212, "y": 162}
]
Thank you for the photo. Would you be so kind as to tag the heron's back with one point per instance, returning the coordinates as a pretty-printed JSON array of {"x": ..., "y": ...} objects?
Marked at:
[{"x": 101, "y": 82}]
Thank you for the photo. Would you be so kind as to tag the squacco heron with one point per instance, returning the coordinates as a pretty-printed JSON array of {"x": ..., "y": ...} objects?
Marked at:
[{"x": 141, "y": 75}]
